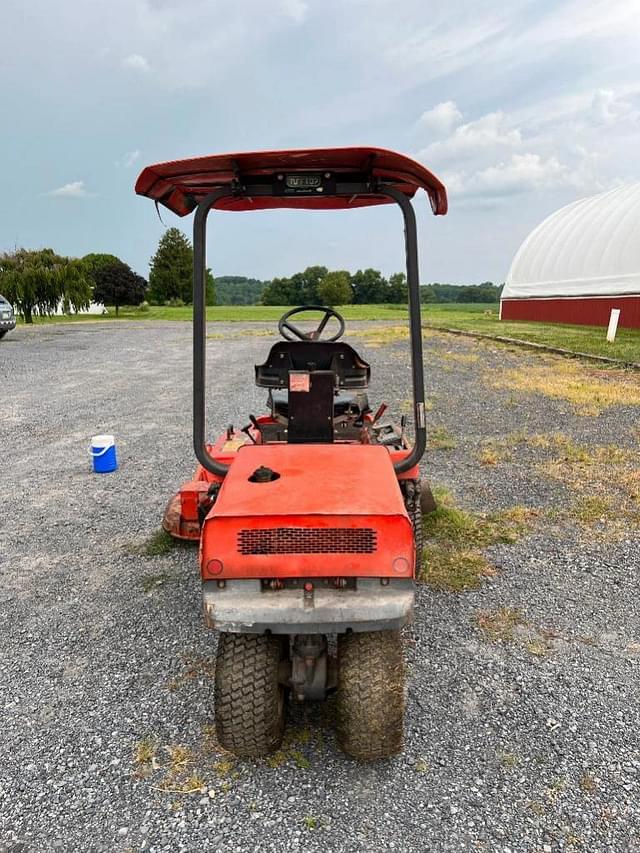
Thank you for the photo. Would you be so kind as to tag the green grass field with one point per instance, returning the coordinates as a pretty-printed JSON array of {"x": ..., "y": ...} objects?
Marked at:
[
  {"x": 481, "y": 318},
  {"x": 230, "y": 314},
  {"x": 484, "y": 319}
]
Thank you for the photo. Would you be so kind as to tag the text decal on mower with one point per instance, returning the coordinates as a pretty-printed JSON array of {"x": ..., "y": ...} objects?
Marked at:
[{"x": 303, "y": 182}]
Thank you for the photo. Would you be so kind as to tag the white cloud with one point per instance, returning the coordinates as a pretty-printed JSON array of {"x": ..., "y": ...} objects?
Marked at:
[
  {"x": 441, "y": 119},
  {"x": 74, "y": 189},
  {"x": 433, "y": 52},
  {"x": 565, "y": 152},
  {"x": 608, "y": 108},
  {"x": 490, "y": 132},
  {"x": 136, "y": 62},
  {"x": 519, "y": 174},
  {"x": 129, "y": 159}
]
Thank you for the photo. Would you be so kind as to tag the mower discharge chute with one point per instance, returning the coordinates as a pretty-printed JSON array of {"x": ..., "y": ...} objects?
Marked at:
[{"x": 308, "y": 518}]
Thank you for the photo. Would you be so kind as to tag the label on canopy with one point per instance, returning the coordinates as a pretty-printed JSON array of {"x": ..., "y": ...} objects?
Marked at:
[
  {"x": 300, "y": 381},
  {"x": 303, "y": 182}
]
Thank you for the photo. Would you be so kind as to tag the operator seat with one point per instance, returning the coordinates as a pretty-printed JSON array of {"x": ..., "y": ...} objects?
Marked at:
[{"x": 312, "y": 382}]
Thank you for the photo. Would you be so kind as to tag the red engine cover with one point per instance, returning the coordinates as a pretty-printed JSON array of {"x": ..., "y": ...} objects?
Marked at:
[{"x": 334, "y": 510}]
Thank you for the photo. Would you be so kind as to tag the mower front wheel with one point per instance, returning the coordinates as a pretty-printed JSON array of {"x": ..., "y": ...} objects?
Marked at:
[
  {"x": 370, "y": 695},
  {"x": 249, "y": 698}
]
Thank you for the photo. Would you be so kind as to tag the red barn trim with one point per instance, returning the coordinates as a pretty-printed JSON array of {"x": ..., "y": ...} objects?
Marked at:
[{"x": 577, "y": 310}]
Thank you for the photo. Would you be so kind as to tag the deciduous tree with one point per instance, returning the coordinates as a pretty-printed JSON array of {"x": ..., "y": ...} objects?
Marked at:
[
  {"x": 38, "y": 281},
  {"x": 117, "y": 284},
  {"x": 335, "y": 288}
]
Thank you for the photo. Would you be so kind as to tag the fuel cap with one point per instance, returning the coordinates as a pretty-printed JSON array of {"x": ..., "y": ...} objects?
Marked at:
[{"x": 263, "y": 475}]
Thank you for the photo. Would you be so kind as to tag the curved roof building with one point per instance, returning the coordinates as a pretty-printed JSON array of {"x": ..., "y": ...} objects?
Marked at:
[{"x": 579, "y": 263}]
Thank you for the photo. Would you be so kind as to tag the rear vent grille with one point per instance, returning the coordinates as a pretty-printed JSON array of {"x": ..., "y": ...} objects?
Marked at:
[{"x": 297, "y": 540}]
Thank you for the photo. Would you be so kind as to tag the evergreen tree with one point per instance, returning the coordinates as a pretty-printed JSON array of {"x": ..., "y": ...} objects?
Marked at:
[{"x": 171, "y": 271}]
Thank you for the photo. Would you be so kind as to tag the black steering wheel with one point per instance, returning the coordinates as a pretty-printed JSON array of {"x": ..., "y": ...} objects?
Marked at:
[{"x": 285, "y": 327}]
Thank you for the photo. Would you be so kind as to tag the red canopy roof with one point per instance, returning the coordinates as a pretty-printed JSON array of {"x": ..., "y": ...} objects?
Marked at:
[{"x": 179, "y": 183}]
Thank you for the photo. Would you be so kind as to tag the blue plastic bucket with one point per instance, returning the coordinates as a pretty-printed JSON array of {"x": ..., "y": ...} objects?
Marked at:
[{"x": 103, "y": 453}]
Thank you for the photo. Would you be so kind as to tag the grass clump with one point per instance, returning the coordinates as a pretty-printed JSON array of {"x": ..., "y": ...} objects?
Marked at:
[
  {"x": 451, "y": 569},
  {"x": 460, "y": 357},
  {"x": 382, "y": 336},
  {"x": 179, "y": 756},
  {"x": 454, "y": 526},
  {"x": 489, "y": 455},
  {"x": 439, "y": 438},
  {"x": 590, "y": 391},
  {"x": 224, "y": 767},
  {"x": 604, "y": 480},
  {"x": 508, "y": 625},
  {"x": 193, "y": 784},
  {"x": 180, "y": 778},
  {"x": 177, "y": 772},
  {"x": 156, "y": 545},
  {"x": 498, "y": 625},
  {"x": 509, "y": 759},
  {"x": 291, "y": 751},
  {"x": 591, "y": 509},
  {"x": 453, "y": 560},
  {"x": 311, "y": 822},
  {"x": 588, "y": 783},
  {"x": 144, "y": 752}
]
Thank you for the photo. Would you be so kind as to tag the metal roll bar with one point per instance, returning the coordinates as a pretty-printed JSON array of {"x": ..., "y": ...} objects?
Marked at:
[{"x": 200, "y": 317}]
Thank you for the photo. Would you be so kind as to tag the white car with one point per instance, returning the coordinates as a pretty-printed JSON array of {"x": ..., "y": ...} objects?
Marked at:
[{"x": 7, "y": 317}]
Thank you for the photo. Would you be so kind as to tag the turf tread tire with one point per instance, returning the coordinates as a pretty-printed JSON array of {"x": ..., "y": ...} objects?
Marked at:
[
  {"x": 370, "y": 694},
  {"x": 249, "y": 700},
  {"x": 412, "y": 494}
]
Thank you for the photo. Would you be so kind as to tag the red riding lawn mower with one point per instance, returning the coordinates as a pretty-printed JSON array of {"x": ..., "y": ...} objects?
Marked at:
[{"x": 309, "y": 518}]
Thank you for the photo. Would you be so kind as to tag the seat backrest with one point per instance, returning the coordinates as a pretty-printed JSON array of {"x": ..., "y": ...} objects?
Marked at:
[
  {"x": 349, "y": 370},
  {"x": 310, "y": 418}
]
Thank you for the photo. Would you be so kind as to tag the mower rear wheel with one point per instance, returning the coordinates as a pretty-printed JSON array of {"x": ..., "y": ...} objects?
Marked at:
[
  {"x": 249, "y": 699},
  {"x": 370, "y": 695},
  {"x": 412, "y": 491}
]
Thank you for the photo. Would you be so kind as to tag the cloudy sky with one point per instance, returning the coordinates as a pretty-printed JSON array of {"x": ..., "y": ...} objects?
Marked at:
[{"x": 520, "y": 107}]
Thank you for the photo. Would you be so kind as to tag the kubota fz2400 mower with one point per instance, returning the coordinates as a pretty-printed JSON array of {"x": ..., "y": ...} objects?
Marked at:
[{"x": 309, "y": 518}]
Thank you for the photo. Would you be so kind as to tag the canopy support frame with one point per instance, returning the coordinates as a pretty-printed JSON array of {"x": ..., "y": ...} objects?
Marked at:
[{"x": 200, "y": 315}]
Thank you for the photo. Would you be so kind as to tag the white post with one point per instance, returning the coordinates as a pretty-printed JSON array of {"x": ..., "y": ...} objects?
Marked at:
[{"x": 613, "y": 325}]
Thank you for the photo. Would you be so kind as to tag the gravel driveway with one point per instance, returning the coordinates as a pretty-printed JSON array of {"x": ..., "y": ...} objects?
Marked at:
[{"x": 105, "y": 679}]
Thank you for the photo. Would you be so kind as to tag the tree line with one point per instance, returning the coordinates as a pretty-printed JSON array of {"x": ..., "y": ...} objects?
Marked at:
[
  {"x": 485, "y": 292},
  {"x": 365, "y": 287},
  {"x": 40, "y": 282}
]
